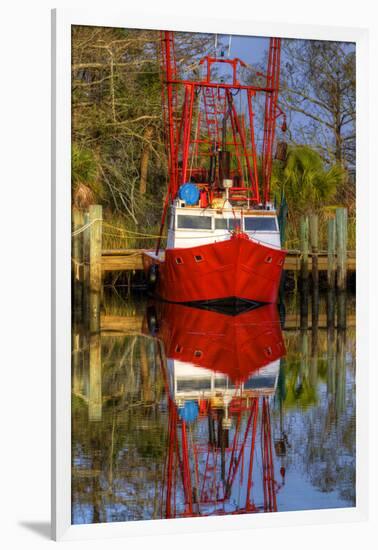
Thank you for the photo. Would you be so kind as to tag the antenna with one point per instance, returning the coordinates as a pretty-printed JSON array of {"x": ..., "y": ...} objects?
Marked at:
[{"x": 229, "y": 46}]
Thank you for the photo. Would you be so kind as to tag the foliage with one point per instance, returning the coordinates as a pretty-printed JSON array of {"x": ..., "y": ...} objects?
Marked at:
[
  {"x": 307, "y": 183},
  {"x": 118, "y": 145},
  {"x": 319, "y": 95},
  {"x": 117, "y": 126},
  {"x": 86, "y": 186}
]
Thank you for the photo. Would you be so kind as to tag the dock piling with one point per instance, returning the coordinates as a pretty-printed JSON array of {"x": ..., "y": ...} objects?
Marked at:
[
  {"x": 331, "y": 254},
  {"x": 95, "y": 379},
  {"x": 77, "y": 265},
  {"x": 304, "y": 248},
  {"x": 77, "y": 248},
  {"x": 314, "y": 239},
  {"x": 303, "y": 287},
  {"x": 341, "y": 245},
  {"x": 95, "y": 271},
  {"x": 331, "y": 272}
]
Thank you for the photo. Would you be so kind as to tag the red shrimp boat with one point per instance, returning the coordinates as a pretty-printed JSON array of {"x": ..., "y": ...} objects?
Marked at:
[{"x": 223, "y": 237}]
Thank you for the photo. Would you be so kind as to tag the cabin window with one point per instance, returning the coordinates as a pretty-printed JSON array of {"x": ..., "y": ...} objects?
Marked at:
[
  {"x": 198, "y": 353},
  {"x": 194, "y": 384},
  {"x": 198, "y": 258},
  {"x": 260, "y": 223},
  {"x": 194, "y": 222},
  {"x": 220, "y": 382},
  {"x": 179, "y": 260},
  {"x": 227, "y": 223},
  {"x": 260, "y": 383}
]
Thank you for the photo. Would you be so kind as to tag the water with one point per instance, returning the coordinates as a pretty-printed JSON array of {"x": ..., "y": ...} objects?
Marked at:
[{"x": 181, "y": 412}]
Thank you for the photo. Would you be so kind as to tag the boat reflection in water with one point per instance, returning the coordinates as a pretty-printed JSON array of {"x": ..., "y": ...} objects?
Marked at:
[{"x": 220, "y": 373}]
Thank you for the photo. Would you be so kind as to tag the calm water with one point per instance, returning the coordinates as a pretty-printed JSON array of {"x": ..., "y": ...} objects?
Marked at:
[{"x": 184, "y": 412}]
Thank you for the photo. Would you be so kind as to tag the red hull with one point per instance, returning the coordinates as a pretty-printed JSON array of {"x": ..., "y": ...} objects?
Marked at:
[
  {"x": 236, "y": 268},
  {"x": 233, "y": 345}
]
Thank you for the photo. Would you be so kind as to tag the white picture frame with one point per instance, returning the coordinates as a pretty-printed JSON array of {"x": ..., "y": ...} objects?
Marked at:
[{"x": 62, "y": 20}]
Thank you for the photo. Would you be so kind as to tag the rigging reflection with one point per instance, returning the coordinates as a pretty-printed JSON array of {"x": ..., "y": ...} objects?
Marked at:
[{"x": 220, "y": 373}]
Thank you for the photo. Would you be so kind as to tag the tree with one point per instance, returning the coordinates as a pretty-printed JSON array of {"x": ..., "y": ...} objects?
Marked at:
[
  {"x": 319, "y": 95},
  {"x": 307, "y": 183},
  {"x": 117, "y": 115}
]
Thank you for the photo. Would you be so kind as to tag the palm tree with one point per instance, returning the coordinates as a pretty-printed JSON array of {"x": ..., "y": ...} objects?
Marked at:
[{"x": 308, "y": 185}]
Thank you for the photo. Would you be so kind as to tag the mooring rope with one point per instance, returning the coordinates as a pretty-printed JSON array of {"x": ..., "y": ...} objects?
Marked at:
[
  {"x": 128, "y": 233},
  {"x": 135, "y": 237},
  {"x": 84, "y": 227}
]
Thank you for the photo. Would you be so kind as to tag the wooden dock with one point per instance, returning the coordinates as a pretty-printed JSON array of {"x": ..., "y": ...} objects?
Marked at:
[
  {"x": 90, "y": 261},
  {"x": 131, "y": 260},
  {"x": 119, "y": 325},
  {"x": 87, "y": 250}
]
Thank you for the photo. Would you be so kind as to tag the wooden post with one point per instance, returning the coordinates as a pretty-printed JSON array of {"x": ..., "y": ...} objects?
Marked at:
[
  {"x": 95, "y": 252},
  {"x": 303, "y": 305},
  {"x": 77, "y": 248},
  {"x": 86, "y": 247},
  {"x": 304, "y": 248},
  {"x": 341, "y": 243},
  {"x": 304, "y": 273},
  {"x": 331, "y": 362},
  {"x": 146, "y": 383},
  {"x": 331, "y": 269},
  {"x": 95, "y": 379},
  {"x": 77, "y": 266},
  {"x": 314, "y": 238},
  {"x": 331, "y": 297},
  {"x": 340, "y": 372},
  {"x": 331, "y": 272},
  {"x": 303, "y": 370},
  {"x": 341, "y": 310},
  {"x": 77, "y": 363},
  {"x": 314, "y": 339}
]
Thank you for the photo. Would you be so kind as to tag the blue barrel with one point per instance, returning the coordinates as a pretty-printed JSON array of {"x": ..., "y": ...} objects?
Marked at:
[
  {"x": 189, "y": 193},
  {"x": 189, "y": 411}
]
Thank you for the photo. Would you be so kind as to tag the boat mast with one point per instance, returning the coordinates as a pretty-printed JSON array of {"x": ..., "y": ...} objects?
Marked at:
[
  {"x": 271, "y": 113},
  {"x": 211, "y": 102}
]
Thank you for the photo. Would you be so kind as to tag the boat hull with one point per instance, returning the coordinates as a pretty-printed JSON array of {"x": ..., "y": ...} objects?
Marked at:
[
  {"x": 238, "y": 268},
  {"x": 236, "y": 346}
]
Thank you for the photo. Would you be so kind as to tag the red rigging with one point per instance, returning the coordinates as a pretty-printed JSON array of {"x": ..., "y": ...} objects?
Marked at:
[{"x": 223, "y": 238}]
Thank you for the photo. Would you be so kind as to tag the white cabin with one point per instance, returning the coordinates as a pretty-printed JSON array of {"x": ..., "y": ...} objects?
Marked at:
[
  {"x": 193, "y": 226},
  {"x": 188, "y": 381}
]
